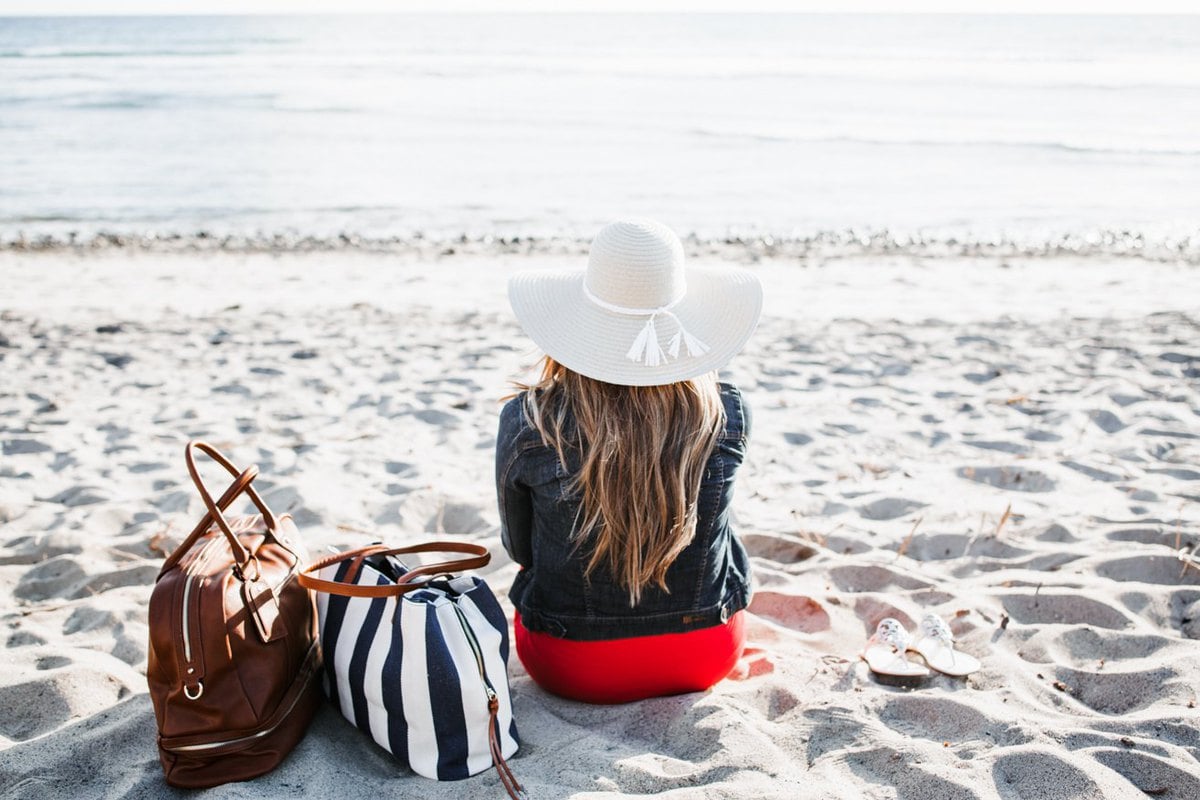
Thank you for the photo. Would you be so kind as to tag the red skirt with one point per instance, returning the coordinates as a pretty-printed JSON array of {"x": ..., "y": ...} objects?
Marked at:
[{"x": 634, "y": 668}]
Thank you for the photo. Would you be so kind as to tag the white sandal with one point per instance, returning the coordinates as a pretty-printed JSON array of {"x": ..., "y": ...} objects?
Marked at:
[
  {"x": 885, "y": 650},
  {"x": 935, "y": 643}
]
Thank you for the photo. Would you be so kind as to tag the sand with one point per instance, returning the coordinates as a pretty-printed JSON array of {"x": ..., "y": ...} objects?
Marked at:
[{"x": 1013, "y": 444}]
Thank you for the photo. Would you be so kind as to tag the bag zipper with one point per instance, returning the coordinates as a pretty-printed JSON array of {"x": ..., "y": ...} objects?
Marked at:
[
  {"x": 193, "y": 567},
  {"x": 507, "y": 779},
  {"x": 476, "y": 650},
  {"x": 195, "y": 748}
]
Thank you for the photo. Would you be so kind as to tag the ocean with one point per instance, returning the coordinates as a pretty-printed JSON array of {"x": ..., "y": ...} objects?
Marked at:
[{"x": 338, "y": 128}]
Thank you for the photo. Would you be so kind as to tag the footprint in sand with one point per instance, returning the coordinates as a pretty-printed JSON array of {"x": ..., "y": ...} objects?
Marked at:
[
  {"x": 1123, "y": 692},
  {"x": 1035, "y": 774},
  {"x": 943, "y": 719},
  {"x": 35, "y": 707},
  {"x": 781, "y": 549},
  {"x": 289, "y": 500},
  {"x": 1106, "y": 420},
  {"x": 87, "y": 618},
  {"x": 20, "y": 447},
  {"x": 1189, "y": 620},
  {"x": 1153, "y": 776},
  {"x": 1012, "y": 448},
  {"x": 1177, "y": 473},
  {"x": 777, "y": 701},
  {"x": 458, "y": 517},
  {"x": 148, "y": 466},
  {"x": 80, "y": 496},
  {"x": 872, "y": 578},
  {"x": 1062, "y": 609},
  {"x": 141, "y": 575},
  {"x": 1095, "y": 473},
  {"x": 943, "y": 546},
  {"x": 912, "y": 780},
  {"x": 52, "y": 662},
  {"x": 34, "y": 550},
  {"x": 1085, "y": 645},
  {"x": 437, "y": 418},
  {"x": 886, "y": 508},
  {"x": 1013, "y": 478},
  {"x": 795, "y": 611},
  {"x": 63, "y": 577},
  {"x": 1163, "y": 570},
  {"x": 1144, "y": 536},
  {"x": 1056, "y": 533},
  {"x": 55, "y": 577}
]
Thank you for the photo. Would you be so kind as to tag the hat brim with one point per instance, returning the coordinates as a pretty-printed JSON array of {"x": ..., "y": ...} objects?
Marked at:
[{"x": 721, "y": 308}]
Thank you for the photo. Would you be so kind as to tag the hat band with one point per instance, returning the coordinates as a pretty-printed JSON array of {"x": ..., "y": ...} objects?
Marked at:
[{"x": 646, "y": 348}]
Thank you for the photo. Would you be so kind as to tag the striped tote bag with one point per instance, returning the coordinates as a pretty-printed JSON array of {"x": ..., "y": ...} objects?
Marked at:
[{"x": 417, "y": 658}]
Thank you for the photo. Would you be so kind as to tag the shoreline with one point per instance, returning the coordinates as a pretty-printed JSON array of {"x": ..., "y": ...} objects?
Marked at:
[
  {"x": 121, "y": 285},
  {"x": 747, "y": 247}
]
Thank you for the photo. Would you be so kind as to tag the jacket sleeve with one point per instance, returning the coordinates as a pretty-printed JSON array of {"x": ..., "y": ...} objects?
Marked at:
[
  {"x": 515, "y": 500},
  {"x": 736, "y": 436}
]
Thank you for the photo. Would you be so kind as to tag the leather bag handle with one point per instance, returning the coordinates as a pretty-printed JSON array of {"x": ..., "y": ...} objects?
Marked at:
[
  {"x": 236, "y": 488},
  {"x": 241, "y": 483},
  {"x": 480, "y": 558}
]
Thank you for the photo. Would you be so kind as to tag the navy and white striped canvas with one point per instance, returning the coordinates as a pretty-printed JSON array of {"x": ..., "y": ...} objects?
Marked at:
[{"x": 404, "y": 670}]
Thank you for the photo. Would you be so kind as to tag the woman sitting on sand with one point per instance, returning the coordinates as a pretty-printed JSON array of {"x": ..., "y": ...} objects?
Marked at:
[{"x": 615, "y": 471}]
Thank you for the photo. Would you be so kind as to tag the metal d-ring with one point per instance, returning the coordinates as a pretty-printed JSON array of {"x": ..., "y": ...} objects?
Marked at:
[
  {"x": 199, "y": 691},
  {"x": 240, "y": 573}
]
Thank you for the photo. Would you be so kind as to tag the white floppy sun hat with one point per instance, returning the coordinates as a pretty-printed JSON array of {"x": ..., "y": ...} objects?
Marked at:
[{"x": 636, "y": 316}]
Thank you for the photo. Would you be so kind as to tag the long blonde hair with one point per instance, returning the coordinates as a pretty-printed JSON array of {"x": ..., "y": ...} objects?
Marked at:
[{"x": 643, "y": 452}]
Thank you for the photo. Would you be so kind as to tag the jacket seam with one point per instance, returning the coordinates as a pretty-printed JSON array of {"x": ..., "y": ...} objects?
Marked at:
[{"x": 712, "y": 520}]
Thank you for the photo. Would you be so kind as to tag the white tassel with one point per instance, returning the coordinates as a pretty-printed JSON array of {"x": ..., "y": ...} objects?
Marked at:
[
  {"x": 637, "y": 351},
  {"x": 654, "y": 352},
  {"x": 647, "y": 350},
  {"x": 695, "y": 347}
]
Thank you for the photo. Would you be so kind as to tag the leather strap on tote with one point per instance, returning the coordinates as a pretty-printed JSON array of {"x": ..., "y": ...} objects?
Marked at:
[
  {"x": 511, "y": 785},
  {"x": 481, "y": 558}
]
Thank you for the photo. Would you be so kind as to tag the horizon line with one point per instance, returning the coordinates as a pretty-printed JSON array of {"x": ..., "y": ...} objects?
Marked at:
[
  {"x": 170, "y": 8},
  {"x": 43, "y": 14}
]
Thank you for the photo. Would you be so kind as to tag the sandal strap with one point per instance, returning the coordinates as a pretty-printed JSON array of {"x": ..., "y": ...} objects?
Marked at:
[{"x": 891, "y": 633}]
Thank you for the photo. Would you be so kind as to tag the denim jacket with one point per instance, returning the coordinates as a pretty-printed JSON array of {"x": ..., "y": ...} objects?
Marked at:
[{"x": 708, "y": 582}]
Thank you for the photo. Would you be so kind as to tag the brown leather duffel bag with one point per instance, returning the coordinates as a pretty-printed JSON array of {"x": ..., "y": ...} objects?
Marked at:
[{"x": 234, "y": 664}]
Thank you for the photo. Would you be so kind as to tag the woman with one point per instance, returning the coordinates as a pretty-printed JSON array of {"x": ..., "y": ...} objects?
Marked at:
[{"x": 615, "y": 471}]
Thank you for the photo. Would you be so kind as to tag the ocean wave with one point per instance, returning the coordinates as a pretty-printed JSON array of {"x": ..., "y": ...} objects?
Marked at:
[
  {"x": 67, "y": 52},
  {"x": 138, "y": 100},
  {"x": 1067, "y": 147},
  {"x": 850, "y": 66},
  {"x": 1003, "y": 70},
  {"x": 748, "y": 247}
]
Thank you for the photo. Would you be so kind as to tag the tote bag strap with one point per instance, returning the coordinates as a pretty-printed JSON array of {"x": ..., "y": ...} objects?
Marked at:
[
  {"x": 511, "y": 785},
  {"x": 480, "y": 557}
]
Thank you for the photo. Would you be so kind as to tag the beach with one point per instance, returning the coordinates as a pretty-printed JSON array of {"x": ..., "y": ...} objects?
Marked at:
[
  {"x": 975, "y": 386},
  {"x": 1009, "y": 441}
]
